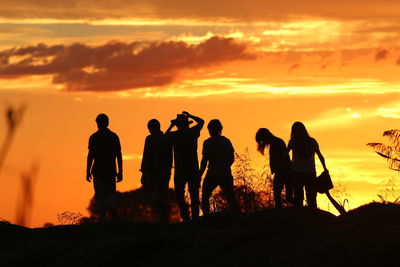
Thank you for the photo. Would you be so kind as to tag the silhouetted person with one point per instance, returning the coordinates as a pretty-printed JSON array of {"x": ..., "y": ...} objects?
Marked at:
[
  {"x": 186, "y": 163},
  {"x": 104, "y": 151},
  {"x": 156, "y": 169},
  {"x": 218, "y": 154},
  {"x": 279, "y": 162},
  {"x": 303, "y": 149}
]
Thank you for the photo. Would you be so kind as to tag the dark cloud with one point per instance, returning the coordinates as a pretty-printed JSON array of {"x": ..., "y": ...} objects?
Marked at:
[
  {"x": 119, "y": 66},
  {"x": 293, "y": 67},
  {"x": 381, "y": 54},
  {"x": 324, "y": 66}
]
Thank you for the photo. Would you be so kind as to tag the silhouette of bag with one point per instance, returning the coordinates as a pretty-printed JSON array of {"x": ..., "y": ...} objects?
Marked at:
[{"x": 324, "y": 182}]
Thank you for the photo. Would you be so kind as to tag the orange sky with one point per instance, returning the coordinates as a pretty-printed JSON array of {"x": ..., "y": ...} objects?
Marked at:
[{"x": 330, "y": 64}]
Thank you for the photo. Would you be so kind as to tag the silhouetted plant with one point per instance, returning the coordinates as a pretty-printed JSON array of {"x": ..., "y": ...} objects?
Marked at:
[
  {"x": 391, "y": 152},
  {"x": 48, "y": 225},
  {"x": 131, "y": 206},
  {"x": 13, "y": 117},
  {"x": 25, "y": 200},
  {"x": 69, "y": 218},
  {"x": 340, "y": 194},
  {"x": 253, "y": 190},
  {"x": 389, "y": 192}
]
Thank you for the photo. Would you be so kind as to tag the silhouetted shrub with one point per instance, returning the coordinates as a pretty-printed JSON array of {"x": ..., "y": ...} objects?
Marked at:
[
  {"x": 253, "y": 190},
  {"x": 131, "y": 206},
  {"x": 69, "y": 218}
]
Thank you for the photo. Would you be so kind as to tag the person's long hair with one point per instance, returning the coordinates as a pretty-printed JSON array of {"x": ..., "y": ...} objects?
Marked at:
[
  {"x": 263, "y": 136},
  {"x": 301, "y": 140}
]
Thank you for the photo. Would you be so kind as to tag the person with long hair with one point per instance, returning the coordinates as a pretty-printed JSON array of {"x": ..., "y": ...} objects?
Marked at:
[
  {"x": 304, "y": 148},
  {"x": 279, "y": 162}
]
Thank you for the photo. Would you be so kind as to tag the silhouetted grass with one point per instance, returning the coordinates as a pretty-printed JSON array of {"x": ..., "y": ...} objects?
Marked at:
[
  {"x": 14, "y": 116},
  {"x": 26, "y": 195},
  {"x": 69, "y": 218}
]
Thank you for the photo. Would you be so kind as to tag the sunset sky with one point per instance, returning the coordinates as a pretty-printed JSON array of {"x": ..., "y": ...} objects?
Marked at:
[{"x": 332, "y": 64}]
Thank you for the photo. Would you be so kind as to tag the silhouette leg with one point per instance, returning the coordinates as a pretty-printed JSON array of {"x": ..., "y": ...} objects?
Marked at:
[
  {"x": 100, "y": 207},
  {"x": 180, "y": 198},
  {"x": 298, "y": 190},
  {"x": 278, "y": 187},
  {"x": 149, "y": 188},
  {"x": 100, "y": 197},
  {"x": 228, "y": 189},
  {"x": 289, "y": 187},
  {"x": 311, "y": 196},
  {"x": 208, "y": 187},
  {"x": 111, "y": 205},
  {"x": 194, "y": 187},
  {"x": 163, "y": 200},
  {"x": 311, "y": 193}
]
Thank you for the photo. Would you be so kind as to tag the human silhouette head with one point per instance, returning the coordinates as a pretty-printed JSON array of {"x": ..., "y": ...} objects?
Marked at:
[
  {"x": 263, "y": 139},
  {"x": 182, "y": 121},
  {"x": 102, "y": 121},
  {"x": 214, "y": 127},
  {"x": 299, "y": 131},
  {"x": 154, "y": 126},
  {"x": 301, "y": 140}
]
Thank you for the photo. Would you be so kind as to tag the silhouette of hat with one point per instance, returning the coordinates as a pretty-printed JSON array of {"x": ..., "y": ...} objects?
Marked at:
[{"x": 182, "y": 119}]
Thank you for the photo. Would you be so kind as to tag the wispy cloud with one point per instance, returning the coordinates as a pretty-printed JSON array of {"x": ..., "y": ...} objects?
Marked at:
[
  {"x": 353, "y": 166},
  {"x": 252, "y": 10},
  {"x": 249, "y": 87},
  {"x": 345, "y": 117}
]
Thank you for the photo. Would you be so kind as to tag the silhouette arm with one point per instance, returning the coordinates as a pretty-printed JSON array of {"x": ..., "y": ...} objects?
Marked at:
[
  {"x": 204, "y": 159},
  {"x": 89, "y": 163},
  {"x": 172, "y": 125},
  {"x": 231, "y": 154},
  {"x": 232, "y": 158},
  {"x": 321, "y": 158},
  {"x": 119, "y": 162},
  {"x": 289, "y": 147},
  {"x": 144, "y": 167},
  {"x": 199, "y": 121},
  {"x": 203, "y": 165}
]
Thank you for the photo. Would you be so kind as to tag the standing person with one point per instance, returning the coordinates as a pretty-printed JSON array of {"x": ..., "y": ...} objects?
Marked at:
[
  {"x": 156, "y": 169},
  {"x": 218, "y": 154},
  {"x": 279, "y": 162},
  {"x": 184, "y": 142},
  {"x": 303, "y": 149},
  {"x": 104, "y": 150}
]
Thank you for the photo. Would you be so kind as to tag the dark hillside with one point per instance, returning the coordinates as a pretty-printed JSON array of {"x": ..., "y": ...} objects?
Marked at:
[{"x": 366, "y": 236}]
